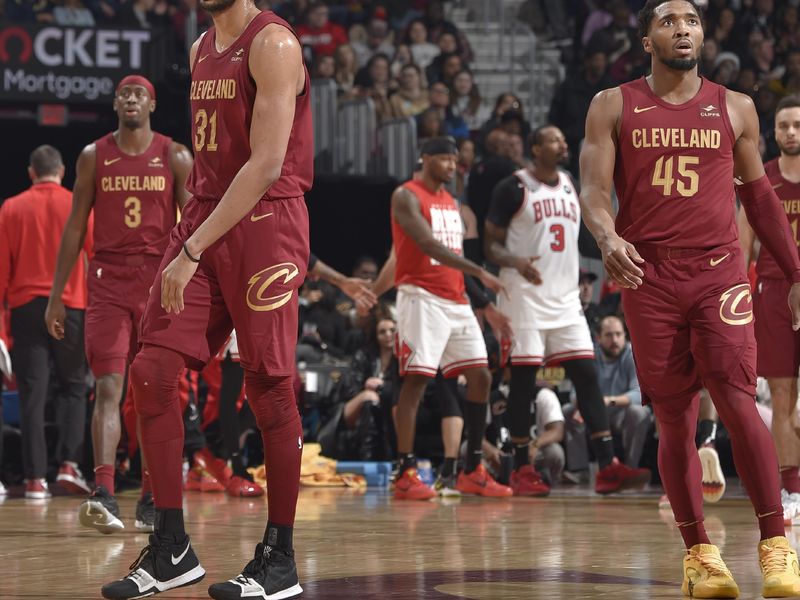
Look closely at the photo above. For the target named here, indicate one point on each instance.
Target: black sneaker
(145, 513)
(162, 565)
(100, 511)
(271, 575)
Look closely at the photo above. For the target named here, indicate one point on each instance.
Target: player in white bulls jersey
(531, 232)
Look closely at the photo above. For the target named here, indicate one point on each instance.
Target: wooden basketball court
(365, 546)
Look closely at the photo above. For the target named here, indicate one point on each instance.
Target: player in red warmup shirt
(778, 345)
(671, 143)
(133, 180)
(236, 259)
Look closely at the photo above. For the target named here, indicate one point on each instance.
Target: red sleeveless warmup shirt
(222, 96)
(674, 169)
(789, 194)
(134, 206)
(417, 268)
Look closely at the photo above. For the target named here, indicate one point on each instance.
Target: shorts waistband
(126, 260)
(654, 252)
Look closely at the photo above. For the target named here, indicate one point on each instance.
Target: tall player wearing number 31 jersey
(672, 143)
(236, 259)
(134, 181)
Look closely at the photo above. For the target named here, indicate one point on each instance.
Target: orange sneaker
(479, 482)
(239, 487)
(410, 487)
(617, 477)
(199, 481)
(526, 481)
(216, 467)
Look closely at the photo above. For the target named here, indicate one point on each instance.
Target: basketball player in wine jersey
(435, 323)
(778, 345)
(236, 259)
(133, 180)
(531, 232)
(671, 143)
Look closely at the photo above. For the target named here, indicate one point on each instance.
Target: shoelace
(140, 559)
(775, 558)
(256, 566)
(713, 564)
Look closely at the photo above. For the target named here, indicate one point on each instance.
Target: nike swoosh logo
(776, 186)
(638, 110)
(255, 218)
(107, 162)
(715, 261)
(202, 58)
(174, 560)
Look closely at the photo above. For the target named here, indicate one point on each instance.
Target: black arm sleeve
(476, 293)
(507, 197)
(312, 261)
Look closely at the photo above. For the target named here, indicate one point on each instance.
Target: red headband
(138, 80)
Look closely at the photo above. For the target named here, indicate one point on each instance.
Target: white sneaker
(713, 479)
(791, 508)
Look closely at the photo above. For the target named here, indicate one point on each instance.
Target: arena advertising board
(74, 65)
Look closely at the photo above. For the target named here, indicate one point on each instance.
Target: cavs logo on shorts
(736, 305)
(257, 293)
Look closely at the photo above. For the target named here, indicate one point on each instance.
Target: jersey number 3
(688, 180)
(133, 212)
(557, 245)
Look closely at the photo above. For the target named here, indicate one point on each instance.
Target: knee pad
(154, 378)
(272, 399)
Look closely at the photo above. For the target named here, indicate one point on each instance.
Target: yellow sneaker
(705, 575)
(780, 568)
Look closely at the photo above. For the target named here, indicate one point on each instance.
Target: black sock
(475, 427)
(522, 456)
(706, 432)
(449, 467)
(237, 465)
(169, 522)
(406, 461)
(279, 537)
(603, 450)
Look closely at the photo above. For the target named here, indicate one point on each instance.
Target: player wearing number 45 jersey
(236, 259)
(133, 180)
(672, 144)
(532, 234)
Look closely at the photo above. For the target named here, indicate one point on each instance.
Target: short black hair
(46, 161)
(537, 135)
(645, 16)
(791, 101)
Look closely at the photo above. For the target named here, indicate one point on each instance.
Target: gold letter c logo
(256, 298)
(729, 305)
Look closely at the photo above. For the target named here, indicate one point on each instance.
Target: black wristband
(189, 255)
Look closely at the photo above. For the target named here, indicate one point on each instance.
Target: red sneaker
(410, 487)
(526, 481)
(216, 467)
(617, 477)
(198, 480)
(239, 487)
(479, 482)
(71, 479)
(36, 489)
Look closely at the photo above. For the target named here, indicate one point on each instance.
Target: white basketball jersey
(547, 225)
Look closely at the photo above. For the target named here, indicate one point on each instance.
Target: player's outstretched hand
(527, 270)
(620, 259)
(173, 281)
(794, 305)
(492, 282)
(358, 290)
(499, 322)
(54, 316)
